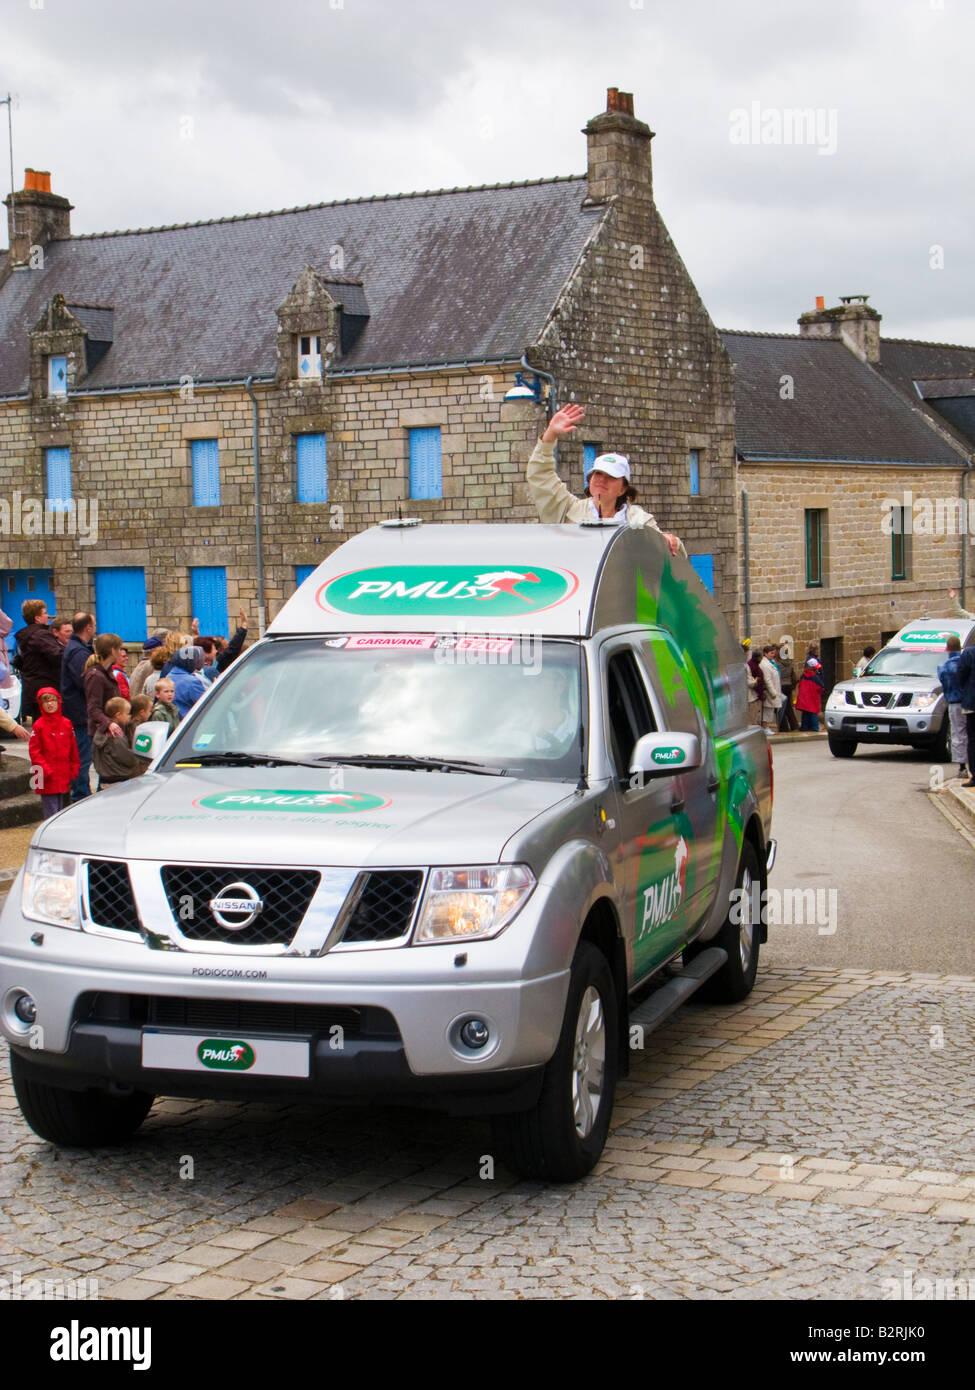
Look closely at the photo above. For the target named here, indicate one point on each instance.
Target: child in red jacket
(53, 753)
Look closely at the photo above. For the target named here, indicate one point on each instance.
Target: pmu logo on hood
(262, 799)
(219, 1054)
(481, 590)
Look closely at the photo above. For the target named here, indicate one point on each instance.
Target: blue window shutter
(120, 602)
(703, 567)
(312, 469)
(57, 376)
(208, 595)
(426, 470)
(58, 480)
(206, 473)
(694, 462)
(588, 459)
(302, 572)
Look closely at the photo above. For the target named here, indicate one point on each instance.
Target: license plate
(868, 728)
(201, 1052)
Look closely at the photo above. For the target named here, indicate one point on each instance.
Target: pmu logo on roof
(924, 639)
(480, 590)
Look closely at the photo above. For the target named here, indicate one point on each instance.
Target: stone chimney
(852, 322)
(35, 217)
(619, 152)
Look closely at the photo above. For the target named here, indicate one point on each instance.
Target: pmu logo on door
(479, 590)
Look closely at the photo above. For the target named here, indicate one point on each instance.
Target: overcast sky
(148, 113)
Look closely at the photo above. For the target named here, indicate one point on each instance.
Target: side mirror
(661, 755)
(150, 738)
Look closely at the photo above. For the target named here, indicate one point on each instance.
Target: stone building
(853, 463)
(191, 417)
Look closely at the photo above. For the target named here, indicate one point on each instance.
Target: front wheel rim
(588, 1062)
(746, 931)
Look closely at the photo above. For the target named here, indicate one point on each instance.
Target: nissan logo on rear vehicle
(240, 902)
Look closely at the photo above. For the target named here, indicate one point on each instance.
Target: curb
(778, 739)
(962, 802)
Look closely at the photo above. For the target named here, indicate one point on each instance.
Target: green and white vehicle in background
(476, 805)
(898, 697)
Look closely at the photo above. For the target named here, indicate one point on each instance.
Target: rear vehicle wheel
(841, 747)
(740, 938)
(76, 1119)
(562, 1137)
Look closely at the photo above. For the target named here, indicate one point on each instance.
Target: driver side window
(630, 715)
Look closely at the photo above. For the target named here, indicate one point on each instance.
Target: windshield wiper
(236, 759)
(409, 760)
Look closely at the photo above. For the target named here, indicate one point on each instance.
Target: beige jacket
(555, 503)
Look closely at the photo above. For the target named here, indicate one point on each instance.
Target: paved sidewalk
(811, 1142)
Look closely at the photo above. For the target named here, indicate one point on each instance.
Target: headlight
(472, 903)
(925, 701)
(50, 889)
(836, 700)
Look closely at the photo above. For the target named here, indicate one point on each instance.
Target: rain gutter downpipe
(552, 393)
(964, 547)
(748, 592)
(261, 610)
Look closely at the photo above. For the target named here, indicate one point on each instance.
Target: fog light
(25, 1009)
(474, 1033)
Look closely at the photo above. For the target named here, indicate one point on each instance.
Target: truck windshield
(900, 661)
(507, 705)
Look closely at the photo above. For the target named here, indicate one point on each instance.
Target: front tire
(75, 1119)
(562, 1138)
(841, 747)
(740, 938)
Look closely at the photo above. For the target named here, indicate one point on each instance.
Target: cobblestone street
(811, 1142)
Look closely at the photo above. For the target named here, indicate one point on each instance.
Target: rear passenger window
(630, 715)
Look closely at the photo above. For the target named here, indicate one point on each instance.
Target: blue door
(18, 585)
(208, 590)
(120, 602)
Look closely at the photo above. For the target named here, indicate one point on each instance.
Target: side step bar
(664, 1001)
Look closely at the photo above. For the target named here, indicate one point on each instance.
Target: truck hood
(297, 815)
(887, 683)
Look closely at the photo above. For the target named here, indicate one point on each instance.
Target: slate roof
(457, 275)
(842, 410)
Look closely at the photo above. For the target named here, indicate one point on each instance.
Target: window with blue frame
(590, 453)
(426, 463)
(694, 470)
(120, 602)
(302, 572)
(206, 472)
(312, 471)
(58, 469)
(208, 595)
(57, 376)
(703, 567)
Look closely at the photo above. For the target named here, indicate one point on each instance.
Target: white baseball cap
(616, 465)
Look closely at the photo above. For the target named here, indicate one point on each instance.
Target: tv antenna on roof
(8, 102)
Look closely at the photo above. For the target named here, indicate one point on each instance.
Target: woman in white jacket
(609, 495)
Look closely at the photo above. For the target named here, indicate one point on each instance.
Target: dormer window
(57, 376)
(309, 356)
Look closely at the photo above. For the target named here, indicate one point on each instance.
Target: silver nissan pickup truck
(478, 803)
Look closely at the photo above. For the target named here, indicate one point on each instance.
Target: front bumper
(900, 726)
(422, 995)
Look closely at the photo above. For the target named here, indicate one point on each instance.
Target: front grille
(285, 894)
(851, 698)
(110, 899)
(384, 905)
(234, 1015)
(904, 698)
(875, 699)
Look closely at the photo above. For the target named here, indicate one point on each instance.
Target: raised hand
(563, 422)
